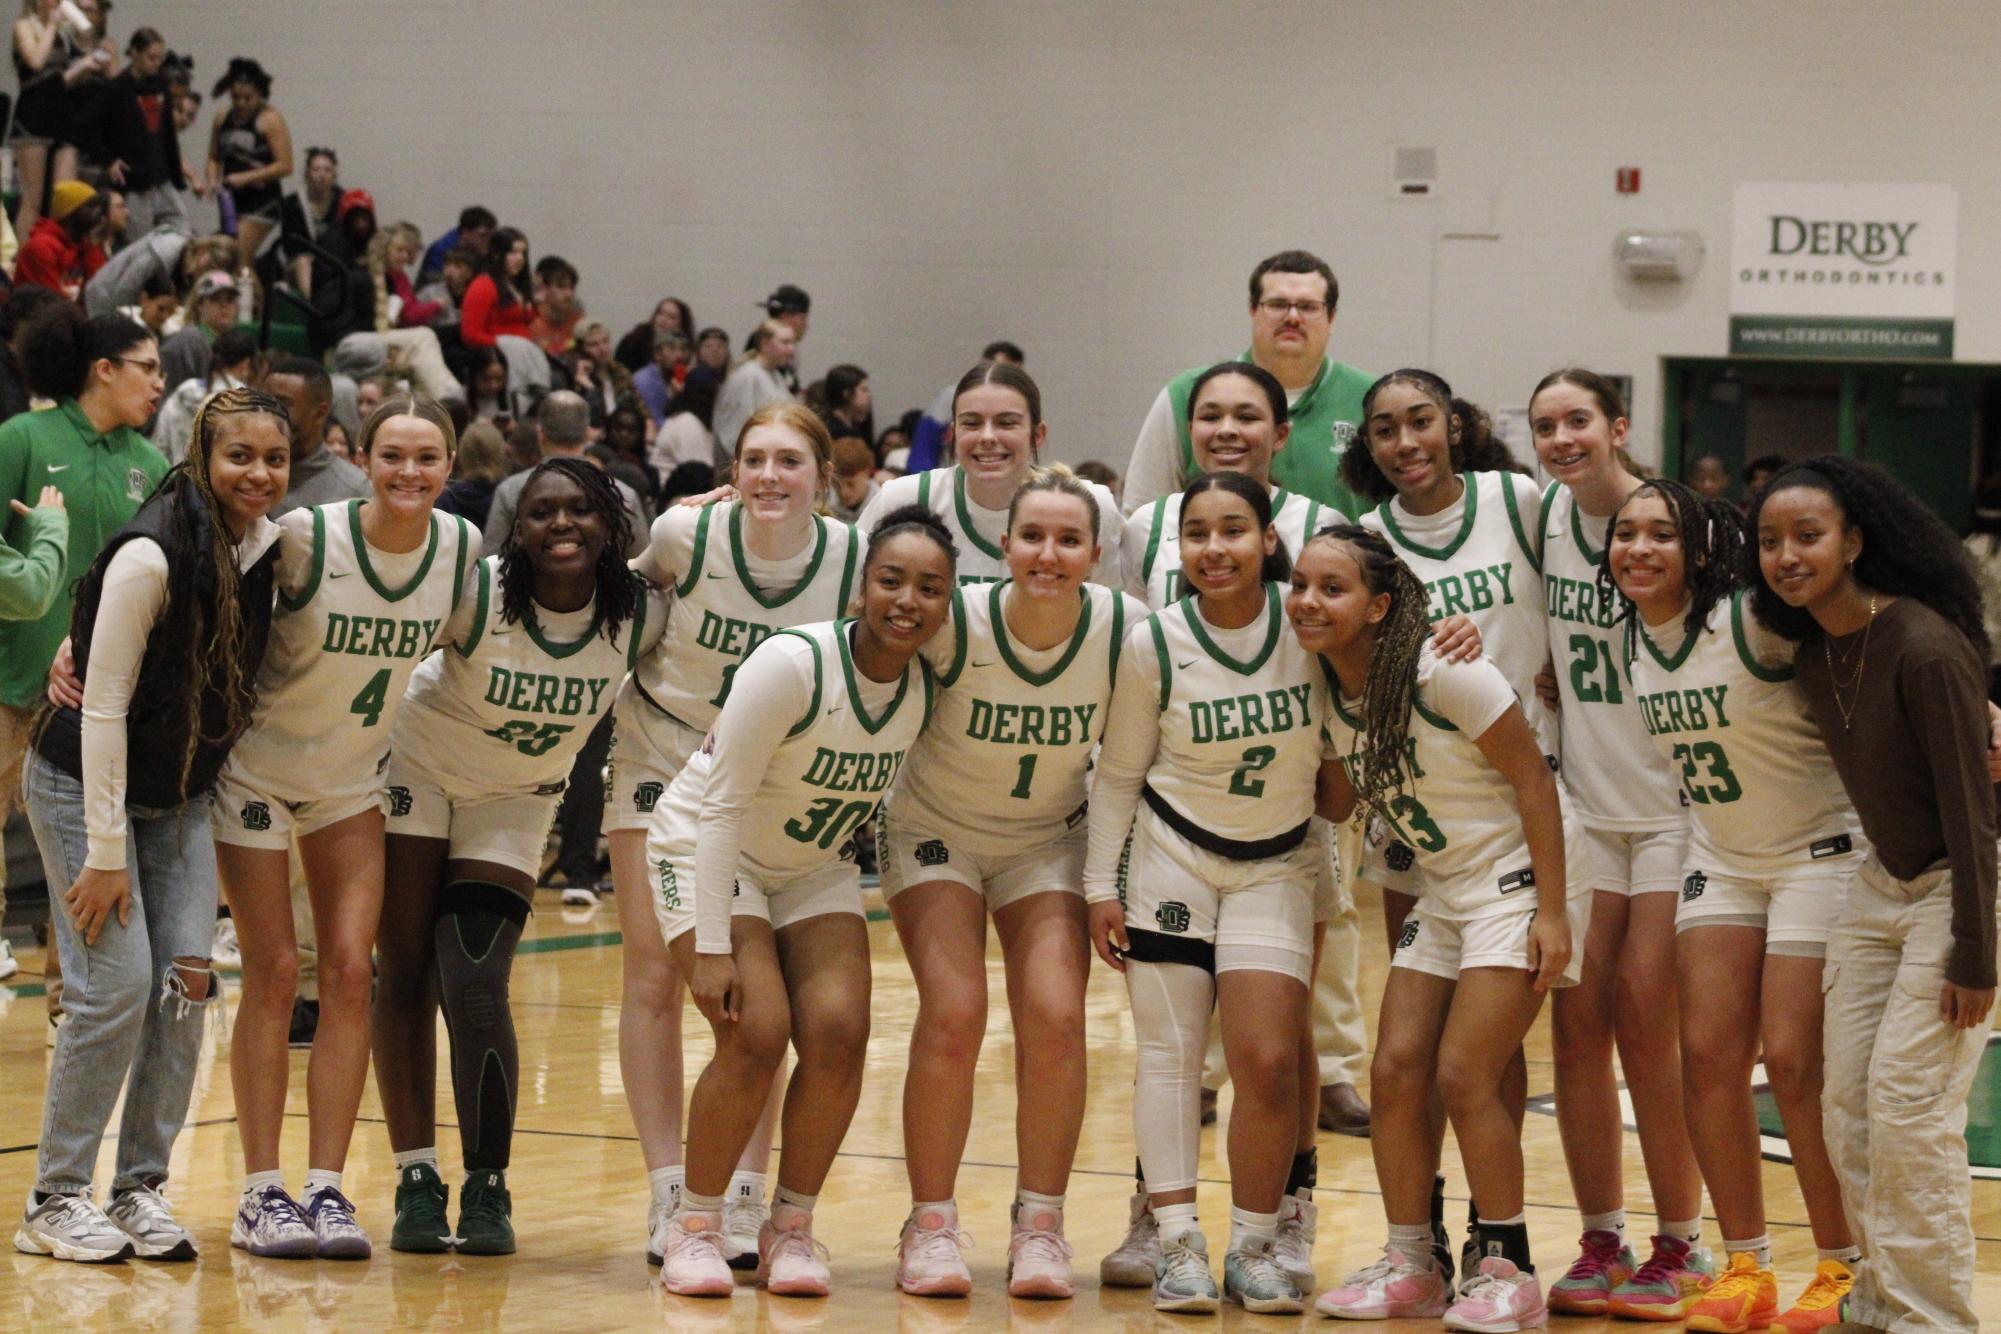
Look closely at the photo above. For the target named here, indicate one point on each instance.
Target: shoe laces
(1260, 1265)
(1385, 1266)
(330, 1203)
(1739, 1280)
(680, 1239)
(1599, 1255)
(1831, 1279)
(1038, 1246)
(483, 1201)
(798, 1243)
(275, 1204)
(1669, 1259)
(1182, 1261)
(75, 1209)
(147, 1207)
(942, 1244)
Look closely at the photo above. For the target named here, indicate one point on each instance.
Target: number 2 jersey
(351, 625)
(800, 756)
(504, 706)
(1615, 778)
(1455, 810)
(1721, 705)
(1004, 766)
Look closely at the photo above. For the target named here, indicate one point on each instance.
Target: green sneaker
(485, 1210)
(1253, 1279)
(421, 1225)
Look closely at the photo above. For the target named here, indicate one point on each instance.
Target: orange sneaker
(1820, 1304)
(1743, 1300)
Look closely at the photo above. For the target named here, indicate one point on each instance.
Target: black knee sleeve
(478, 926)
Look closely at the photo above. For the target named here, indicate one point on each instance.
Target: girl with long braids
(1444, 754)
(740, 571)
(1773, 846)
(988, 820)
(479, 755)
(1216, 728)
(1633, 837)
(168, 632)
(758, 895)
(1881, 600)
(364, 587)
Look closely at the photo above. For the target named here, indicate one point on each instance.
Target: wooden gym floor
(580, 1189)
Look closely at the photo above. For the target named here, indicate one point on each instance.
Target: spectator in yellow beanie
(59, 253)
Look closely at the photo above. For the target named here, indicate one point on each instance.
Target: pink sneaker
(1038, 1259)
(1390, 1289)
(691, 1257)
(930, 1256)
(1499, 1299)
(790, 1263)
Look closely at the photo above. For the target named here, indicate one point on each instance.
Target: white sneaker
(743, 1221)
(692, 1262)
(580, 896)
(223, 951)
(142, 1213)
(270, 1223)
(71, 1227)
(338, 1234)
(658, 1216)
(1137, 1260)
(1293, 1247)
(9, 965)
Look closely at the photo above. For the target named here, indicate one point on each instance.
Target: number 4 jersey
(507, 704)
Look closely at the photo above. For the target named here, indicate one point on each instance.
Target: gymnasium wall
(1095, 180)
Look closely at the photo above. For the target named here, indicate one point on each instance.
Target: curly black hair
(618, 589)
(1475, 447)
(1907, 550)
(1712, 539)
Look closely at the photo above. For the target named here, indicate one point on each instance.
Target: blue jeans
(127, 1007)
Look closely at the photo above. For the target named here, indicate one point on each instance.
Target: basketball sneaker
(658, 1216)
(1743, 1298)
(1297, 1222)
(1254, 1280)
(930, 1259)
(1497, 1299)
(743, 1224)
(1666, 1285)
(421, 1226)
(71, 1227)
(1820, 1304)
(790, 1262)
(1390, 1289)
(142, 1214)
(486, 1224)
(1136, 1262)
(691, 1257)
(270, 1223)
(1603, 1264)
(9, 965)
(223, 950)
(339, 1235)
(580, 895)
(1183, 1281)
(1038, 1258)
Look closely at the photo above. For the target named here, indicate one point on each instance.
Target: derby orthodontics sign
(1844, 271)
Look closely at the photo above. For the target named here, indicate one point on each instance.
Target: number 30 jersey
(1615, 778)
(1455, 810)
(505, 705)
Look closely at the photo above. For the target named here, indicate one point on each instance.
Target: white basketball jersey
(1242, 734)
(977, 531)
(1721, 706)
(1004, 764)
(1480, 560)
(507, 706)
(342, 653)
(1153, 541)
(1616, 778)
(1455, 811)
(718, 614)
(831, 771)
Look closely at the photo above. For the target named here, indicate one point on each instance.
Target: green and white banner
(1862, 271)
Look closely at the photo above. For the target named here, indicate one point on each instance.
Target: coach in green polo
(1293, 295)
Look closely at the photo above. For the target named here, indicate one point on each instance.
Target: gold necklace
(1861, 661)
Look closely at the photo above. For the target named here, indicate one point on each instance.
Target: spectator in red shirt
(59, 253)
(501, 300)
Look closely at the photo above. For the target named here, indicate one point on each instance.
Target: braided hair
(1907, 551)
(212, 637)
(617, 588)
(1475, 447)
(1391, 685)
(1711, 534)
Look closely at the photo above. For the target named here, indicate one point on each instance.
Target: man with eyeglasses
(1293, 295)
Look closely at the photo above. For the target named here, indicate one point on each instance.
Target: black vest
(158, 722)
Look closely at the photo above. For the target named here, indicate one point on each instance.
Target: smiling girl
(759, 898)
(480, 754)
(1773, 847)
(364, 587)
(1217, 729)
(740, 571)
(988, 819)
(169, 629)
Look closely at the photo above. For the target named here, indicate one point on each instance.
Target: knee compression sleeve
(1170, 1004)
(478, 926)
